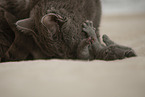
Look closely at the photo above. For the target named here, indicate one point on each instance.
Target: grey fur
(111, 51)
(46, 29)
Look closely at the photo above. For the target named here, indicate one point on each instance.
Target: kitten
(90, 48)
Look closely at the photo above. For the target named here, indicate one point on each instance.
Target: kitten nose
(130, 53)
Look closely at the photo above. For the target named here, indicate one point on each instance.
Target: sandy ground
(67, 78)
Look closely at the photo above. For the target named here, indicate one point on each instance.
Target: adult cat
(49, 28)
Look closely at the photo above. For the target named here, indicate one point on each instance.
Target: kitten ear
(51, 20)
(25, 25)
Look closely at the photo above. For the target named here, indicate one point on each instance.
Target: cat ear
(51, 20)
(25, 25)
(11, 19)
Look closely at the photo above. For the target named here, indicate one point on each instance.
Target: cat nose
(130, 53)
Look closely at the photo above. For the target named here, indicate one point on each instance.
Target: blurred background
(123, 6)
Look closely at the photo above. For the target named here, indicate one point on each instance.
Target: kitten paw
(90, 40)
(89, 28)
(107, 40)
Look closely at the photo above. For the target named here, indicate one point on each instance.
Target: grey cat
(46, 29)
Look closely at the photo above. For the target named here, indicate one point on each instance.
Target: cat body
(40, 20)
(46, 29)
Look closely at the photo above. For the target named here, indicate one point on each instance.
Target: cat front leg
(83, 51)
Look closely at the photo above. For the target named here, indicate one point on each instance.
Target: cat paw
(90, 40)
(89, 28)
(107, 40)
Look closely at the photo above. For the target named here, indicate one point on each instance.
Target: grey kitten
(90, 48)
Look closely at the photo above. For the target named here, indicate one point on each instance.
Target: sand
(67, 78)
